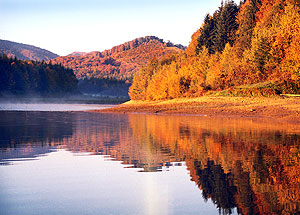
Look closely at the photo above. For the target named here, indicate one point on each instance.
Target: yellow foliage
(191, 49)
(289, 36)
(267, 48)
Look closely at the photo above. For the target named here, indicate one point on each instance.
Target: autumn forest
(250, 49)
(150, 126)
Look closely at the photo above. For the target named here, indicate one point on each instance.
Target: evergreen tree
(219, 29)
(226, 25)
(246, 22)
(20, 77)
(207, 34)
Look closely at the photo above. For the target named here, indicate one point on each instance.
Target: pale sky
(65, 26)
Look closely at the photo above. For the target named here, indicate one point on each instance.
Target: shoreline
(277, 108)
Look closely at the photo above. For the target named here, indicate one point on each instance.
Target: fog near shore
(35, 106)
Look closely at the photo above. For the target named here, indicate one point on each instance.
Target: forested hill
(121, 61)
(248, 49)
(33, 78)
(25, 52)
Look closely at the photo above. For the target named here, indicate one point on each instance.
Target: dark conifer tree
(226, 25)
(219, 29)
(20, 77)
(207, 35)
(246, 20)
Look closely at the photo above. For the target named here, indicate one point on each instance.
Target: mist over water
(50, 107)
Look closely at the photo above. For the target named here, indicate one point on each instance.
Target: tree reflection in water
(249, 164)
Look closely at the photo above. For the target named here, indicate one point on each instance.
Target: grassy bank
(277, 107)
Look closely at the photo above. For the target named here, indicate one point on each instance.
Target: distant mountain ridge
(137, 42)
(77, 54)
(119, 62)
(25, 52)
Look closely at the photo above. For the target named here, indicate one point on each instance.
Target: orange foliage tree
(257, 45)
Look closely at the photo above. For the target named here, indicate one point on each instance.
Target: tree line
(104, 87)
(251, 48)
(24, 77)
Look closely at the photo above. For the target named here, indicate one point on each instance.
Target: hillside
(25, 52)
(121, 61)
(32, 78)
(250, 49)
(77, 54)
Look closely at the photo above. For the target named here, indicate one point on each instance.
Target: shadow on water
(32, 134)
(252, 165)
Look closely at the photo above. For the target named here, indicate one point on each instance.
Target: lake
(62, 160)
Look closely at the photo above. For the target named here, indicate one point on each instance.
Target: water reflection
(249, 164)
(252, 165)
(25, 135)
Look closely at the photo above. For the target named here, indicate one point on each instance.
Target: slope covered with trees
(120, 62)
(19, 77)
(25, 52)
(104, 87)
(249, 49)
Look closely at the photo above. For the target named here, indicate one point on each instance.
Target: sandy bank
(281, 108)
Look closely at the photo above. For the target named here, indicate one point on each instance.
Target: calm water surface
(50, 107)
(58, 162)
